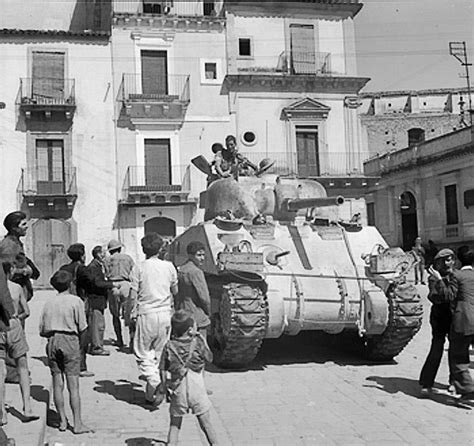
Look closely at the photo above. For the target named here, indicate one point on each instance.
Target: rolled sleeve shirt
(152, 280)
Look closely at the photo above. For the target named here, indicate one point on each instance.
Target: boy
(63, 322)
(13, 343)
(20, 304)
(183, 359)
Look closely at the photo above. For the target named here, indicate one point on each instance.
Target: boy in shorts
(13, 343)
(63, 322)
(181, 370)
(22, 310)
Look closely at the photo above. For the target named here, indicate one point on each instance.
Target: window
(150, 7)
(245, 47)
(249, 138)
(210, 70)
(451, 199)
(209, 8)
(415, 136)
(371, 214)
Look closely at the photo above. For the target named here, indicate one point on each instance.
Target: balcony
(335, 170)
(166, 102)
(203, 15)
(291, 71)
(47, 96)
(155, 186)
(48, 194)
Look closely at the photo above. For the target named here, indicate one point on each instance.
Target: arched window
(166, 227)
(415, 136)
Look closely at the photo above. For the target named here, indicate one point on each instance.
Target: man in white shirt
(153, 284)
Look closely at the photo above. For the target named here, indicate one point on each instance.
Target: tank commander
(229, 162)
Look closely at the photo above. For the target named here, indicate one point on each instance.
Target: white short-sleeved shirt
(153, 279)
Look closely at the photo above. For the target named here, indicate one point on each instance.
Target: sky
(404, 44)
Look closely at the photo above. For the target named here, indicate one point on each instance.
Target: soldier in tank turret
(229, 162)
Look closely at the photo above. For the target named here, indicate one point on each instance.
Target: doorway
(307, 151)
(154, 72)
(166, 227)
(50, 174)
(157, 162)
(47, 74)
(51, 238)
(409, 220)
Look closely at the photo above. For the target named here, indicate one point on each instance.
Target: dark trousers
(97, 328)
(84, 344)
(440, 320)
(115, 307)
(459, 348)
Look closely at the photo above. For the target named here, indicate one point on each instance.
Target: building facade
(292, 86)
(168, 62)
(394, 120)
(426, 190)
(108, 102)
(57, 138)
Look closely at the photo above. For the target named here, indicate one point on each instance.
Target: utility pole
(458, 50)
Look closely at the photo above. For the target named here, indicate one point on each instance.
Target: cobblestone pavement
(303, 390)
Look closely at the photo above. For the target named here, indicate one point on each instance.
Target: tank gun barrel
(293, 204)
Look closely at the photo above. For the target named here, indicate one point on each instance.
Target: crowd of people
(166, 310)
(167, 313)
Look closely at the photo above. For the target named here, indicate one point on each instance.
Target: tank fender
(376, 312)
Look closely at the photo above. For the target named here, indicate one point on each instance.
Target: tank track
(239, 327)
(404, 321)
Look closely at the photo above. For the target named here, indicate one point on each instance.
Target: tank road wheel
(239, 327)
(404, 321)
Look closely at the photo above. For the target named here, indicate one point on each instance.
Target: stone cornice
(270, 8)
(292, 83)
(176, 23)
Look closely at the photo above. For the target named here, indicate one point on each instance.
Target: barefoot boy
(63, 322)
(181, 367)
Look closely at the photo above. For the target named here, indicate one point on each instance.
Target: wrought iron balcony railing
(300, 62)
(37, 183)
(172, 88)
(46, 92)
(321, 164)
(172, 183)
(167, 7)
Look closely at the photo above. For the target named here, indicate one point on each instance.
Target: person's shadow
(411, 388)
(124, 390)
(142, 441)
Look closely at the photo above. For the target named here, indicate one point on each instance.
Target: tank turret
(281, 198)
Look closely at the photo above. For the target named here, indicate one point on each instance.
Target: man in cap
(12, 251)
(119, 267)
(462, 326)
(441, 273)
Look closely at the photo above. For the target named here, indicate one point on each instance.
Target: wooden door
(154, 72)
(303, 53)
(51, 238)
(50, 173)
(307, 153)
(157, 162)
(48, 77)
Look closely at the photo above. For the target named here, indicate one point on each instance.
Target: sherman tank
(280, 261)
